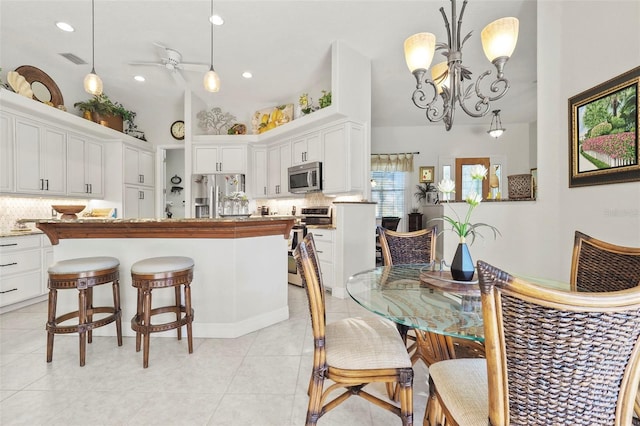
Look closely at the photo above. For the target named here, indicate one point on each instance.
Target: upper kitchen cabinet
(85, 166)
(7, 182)
(278, 162)
(306, 148)
(343, 163)
(138, 166)
(211, 159)
(40, 158)
(259, 171)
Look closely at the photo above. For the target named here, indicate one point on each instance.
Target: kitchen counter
(240, 274)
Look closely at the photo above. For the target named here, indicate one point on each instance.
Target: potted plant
(103, 110)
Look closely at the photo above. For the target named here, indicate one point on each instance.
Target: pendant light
(496, 130)
(92, 82)
(211, 78)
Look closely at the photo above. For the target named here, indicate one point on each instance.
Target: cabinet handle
(319, 251)
(7, 291)
(47, 180)
(318, 235)
(90, 188)
(8, 245)
(265, 190)
(9, 264)
(86, 188)
(41, 184)
(141, 195)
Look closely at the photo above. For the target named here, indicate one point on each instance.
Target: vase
(462, 268)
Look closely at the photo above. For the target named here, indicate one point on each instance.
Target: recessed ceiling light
(65, 27)
(139, 78)
(247, 74)
(216, 20)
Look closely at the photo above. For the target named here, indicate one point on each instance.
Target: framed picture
(426, 174)
(603, 132)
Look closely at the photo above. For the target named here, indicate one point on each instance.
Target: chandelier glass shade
(447, 82)
(211, 78)
(92, 82)
(496, 130)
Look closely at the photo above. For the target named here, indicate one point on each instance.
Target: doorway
(173, 182)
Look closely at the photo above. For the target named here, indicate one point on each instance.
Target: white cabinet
(138, 202)
(209, 159)
(21, 265)
(259, 171)
(7, 182)
(343, 162)
(85, 167)
(138, 166)
(40, 158)
(306, 148)
(325, 248)
(278, 161)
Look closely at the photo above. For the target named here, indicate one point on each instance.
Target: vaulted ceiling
(285, 44)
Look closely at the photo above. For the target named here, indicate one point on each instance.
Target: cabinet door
(233, 159)
(131, 160)
(76, 181)
(146, 204)
(94, 168)
(205, 160)
(145, 168)
(27, 157)
(306, 149)
(131, 197)
(285, 163)
(259, 173)
(54, 160)
(7, 183)
(334, 173)
(273, 171)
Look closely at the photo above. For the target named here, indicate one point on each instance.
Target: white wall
(577, 49)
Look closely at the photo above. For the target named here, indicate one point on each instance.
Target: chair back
(390, 222)
(401, 248)
(555, 355)
(594, 259)
(309, 267)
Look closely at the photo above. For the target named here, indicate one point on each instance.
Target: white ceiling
(285, 44)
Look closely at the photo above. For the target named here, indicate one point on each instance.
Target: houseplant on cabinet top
(102, 110)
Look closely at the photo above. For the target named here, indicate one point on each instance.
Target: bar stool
(162, 272)
(83, 274)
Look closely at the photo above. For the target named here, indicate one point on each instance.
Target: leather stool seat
(162, 272)
(83, 274)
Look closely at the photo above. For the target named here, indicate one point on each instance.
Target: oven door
(293, 275)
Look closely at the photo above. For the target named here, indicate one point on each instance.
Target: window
(388, 193)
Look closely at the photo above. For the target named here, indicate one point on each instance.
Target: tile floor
(257, 379)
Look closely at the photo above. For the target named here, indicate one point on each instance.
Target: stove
(320, 216)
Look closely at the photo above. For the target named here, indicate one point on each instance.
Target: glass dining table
(446, 314)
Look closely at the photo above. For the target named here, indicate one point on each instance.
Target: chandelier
(448, 78)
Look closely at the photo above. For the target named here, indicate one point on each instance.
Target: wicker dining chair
(553, 357)
(400, 248)
(592, 259)
(351, 352)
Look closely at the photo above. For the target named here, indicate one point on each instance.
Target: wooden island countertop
(166, 228)
(240, 274)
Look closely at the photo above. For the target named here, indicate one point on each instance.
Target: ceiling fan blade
(193, 66)
(179, 78)
(156, 64)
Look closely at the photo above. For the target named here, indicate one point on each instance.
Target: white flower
(478, 172)
(446, 186)
(473, 198)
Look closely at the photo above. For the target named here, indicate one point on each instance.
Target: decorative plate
(44, 89)
(19, 84)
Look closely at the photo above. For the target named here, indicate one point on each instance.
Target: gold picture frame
(427, 174)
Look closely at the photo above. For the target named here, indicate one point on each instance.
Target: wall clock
(177, 129)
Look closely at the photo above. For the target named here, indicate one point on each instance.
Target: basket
(520, 186)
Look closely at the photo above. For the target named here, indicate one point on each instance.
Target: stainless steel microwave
(305, 178)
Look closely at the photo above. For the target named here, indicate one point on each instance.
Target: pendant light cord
(93, 38)
(211, 23)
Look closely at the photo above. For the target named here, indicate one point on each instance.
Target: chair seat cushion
(463, 389)
(156, 265)
(83, 264)
(365, 343)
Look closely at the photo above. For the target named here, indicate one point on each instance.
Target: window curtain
(392, 162)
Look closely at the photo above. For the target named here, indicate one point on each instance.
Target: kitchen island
(240, 274)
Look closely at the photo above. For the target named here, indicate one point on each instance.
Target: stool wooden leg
(116, 306)
(82, 321)
(178, 311)
(89, 313)
(51, 322)
(139, 317)
(187, 301)
(147, 321)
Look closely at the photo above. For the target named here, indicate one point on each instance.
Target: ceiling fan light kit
(499, 40)
(93, 82)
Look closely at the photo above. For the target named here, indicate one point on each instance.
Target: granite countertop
(243, 218)
(4, 234)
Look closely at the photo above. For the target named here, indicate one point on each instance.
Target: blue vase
(462, 268)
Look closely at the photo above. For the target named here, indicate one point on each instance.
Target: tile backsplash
(14, 208)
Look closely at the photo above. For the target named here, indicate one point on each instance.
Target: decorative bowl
(68, 212)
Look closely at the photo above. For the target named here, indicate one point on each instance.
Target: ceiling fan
(171, 59)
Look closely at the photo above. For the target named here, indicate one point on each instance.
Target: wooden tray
(443, 280)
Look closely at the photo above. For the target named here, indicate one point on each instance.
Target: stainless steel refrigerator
(210, 192)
